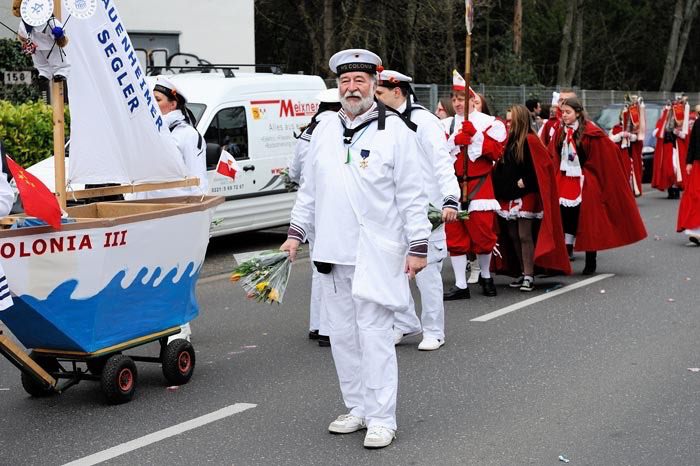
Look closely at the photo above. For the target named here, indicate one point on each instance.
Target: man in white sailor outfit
(394, 89)
(7, 199)
(371, 234)
(328, 108)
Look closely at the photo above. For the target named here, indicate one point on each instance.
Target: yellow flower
(261, 286)
(235, 277)
(274, 295)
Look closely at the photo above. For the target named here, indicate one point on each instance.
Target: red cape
(663, 176)
(609, 216)
(550, 250)
(689, 207)
(635, 153)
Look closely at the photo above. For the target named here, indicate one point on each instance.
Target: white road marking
(161, 435)
(540, 298)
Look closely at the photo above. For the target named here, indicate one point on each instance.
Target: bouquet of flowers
(265, 276)
(435, 216)
(289, 185)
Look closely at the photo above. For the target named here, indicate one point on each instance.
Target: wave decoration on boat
(117, 313)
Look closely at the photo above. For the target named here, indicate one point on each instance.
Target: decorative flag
(469, 15)
(227, 165)
(37, 200)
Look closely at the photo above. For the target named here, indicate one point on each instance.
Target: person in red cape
(628, 134)
(597, 207)
(689, 208)
(671, 133)
(550, 126)
(525, 183)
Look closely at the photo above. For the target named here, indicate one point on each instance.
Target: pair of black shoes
(488, 288)
(323, 340)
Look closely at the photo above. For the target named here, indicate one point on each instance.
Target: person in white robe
(369, 217)
(328, 108)
(437, 168)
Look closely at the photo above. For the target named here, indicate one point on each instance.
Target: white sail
(117, 131)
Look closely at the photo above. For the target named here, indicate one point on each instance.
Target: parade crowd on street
(517, 196)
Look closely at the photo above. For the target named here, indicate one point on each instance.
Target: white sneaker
(379, 437)
(347, 424)
(475, 272)
(399, 336)
(430, 344)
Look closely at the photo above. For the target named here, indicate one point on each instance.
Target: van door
(229, 129)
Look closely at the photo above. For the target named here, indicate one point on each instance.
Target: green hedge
(27, 131)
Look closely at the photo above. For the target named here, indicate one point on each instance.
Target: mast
(59, 132)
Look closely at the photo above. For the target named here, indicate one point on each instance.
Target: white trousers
(429, 281)
(363, 350)
(316, 298)
(56, 63)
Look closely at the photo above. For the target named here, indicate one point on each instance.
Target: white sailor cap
(392, 79)
(349, 60)
(329, 96)
(167, 87)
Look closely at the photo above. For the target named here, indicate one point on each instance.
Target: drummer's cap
(460, 85)
(392, 79)
(329, 96)
(167, 87)
(350, 60)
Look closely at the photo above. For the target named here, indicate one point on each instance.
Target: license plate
(18, 77)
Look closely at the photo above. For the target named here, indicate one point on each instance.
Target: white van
(254, 116)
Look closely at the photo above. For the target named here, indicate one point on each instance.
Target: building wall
(219, 31)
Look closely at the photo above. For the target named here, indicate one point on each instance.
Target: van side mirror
(213, 155)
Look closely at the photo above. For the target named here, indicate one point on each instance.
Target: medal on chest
(364, 153)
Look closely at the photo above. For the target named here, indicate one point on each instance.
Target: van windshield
(197, 110)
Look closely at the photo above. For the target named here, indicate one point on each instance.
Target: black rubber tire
(97, 365)
(32, 386)
(118, 379)
(178, 361)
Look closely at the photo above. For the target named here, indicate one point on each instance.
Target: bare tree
(411, 18)
(683, 17)
(571, 43)
(328, 32)
(518, 29)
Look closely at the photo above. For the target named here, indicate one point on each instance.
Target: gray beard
(359, 108)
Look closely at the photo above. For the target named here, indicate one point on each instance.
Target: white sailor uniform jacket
(380, 169)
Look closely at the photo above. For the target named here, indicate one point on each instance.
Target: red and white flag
(227, 165)
(37, 200)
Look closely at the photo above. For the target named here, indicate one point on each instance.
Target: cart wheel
(34, 387)
(97, 365)
(178, 362)
(119, 379)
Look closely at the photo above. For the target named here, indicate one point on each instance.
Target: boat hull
(124, 270)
